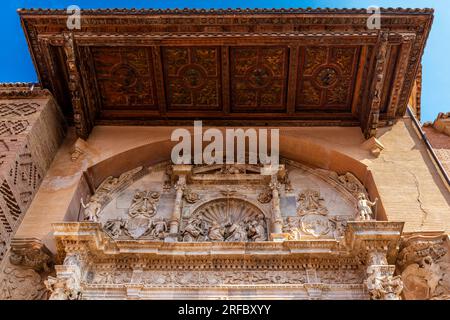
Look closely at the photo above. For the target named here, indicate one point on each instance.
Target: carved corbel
(374, 146)
(424, 266)
(31, 253)
(22, 275)
(374, 105)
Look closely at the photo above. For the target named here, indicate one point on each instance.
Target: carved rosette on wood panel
(124, 77)
(326, 77)
(193, 77)
(258, 78)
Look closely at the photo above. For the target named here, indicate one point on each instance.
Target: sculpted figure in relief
(216, 232)
(193, 230)
(364, 207)
(257, 230)
(91, 209)
(310, 202)
(115, 227)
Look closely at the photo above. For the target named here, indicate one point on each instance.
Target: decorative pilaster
(381, 282)
(377, 242)
(181, 171)
(276, 211)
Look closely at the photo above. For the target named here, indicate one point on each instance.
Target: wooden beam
(370, 124)
(83, 125)
(400, 72)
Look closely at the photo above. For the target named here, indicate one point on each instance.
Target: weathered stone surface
(31, 130)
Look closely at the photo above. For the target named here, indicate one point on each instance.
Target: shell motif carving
(232, 220)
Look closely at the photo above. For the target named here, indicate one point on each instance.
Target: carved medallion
(326, 77)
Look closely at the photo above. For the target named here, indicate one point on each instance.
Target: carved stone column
(67, 283)
(276, 211)
(381, 282)
(181, 171)
(377, 243)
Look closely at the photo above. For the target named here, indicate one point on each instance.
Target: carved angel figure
(91, 209)
(291, 227)
(114, 227)
(364, 207)
(159, 228)
(193, 230)
(257, 230)
(236, 232)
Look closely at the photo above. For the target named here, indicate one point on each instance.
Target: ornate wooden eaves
(248, 67)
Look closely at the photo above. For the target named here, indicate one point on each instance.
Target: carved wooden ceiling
(226, 67)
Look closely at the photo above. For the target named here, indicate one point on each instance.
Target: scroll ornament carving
(105, 191)
(229, 220)
(20, 283)
(425, 270)
(141, 222)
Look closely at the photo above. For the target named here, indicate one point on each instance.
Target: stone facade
(356, 209)
(31, 130)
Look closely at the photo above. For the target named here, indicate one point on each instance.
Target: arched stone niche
(139, 204)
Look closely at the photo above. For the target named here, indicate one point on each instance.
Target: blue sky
(16, 64)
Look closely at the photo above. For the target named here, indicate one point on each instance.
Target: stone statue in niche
(216, 232)
(364, 207)
(144, 204)
(257, 229)
(91, 209)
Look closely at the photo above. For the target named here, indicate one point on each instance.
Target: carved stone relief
(226, 219)
(424, 265)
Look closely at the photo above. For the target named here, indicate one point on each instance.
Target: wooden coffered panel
(326, 78)
(300, 67)
(125, 77)
(258, 78)
(192, 78)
